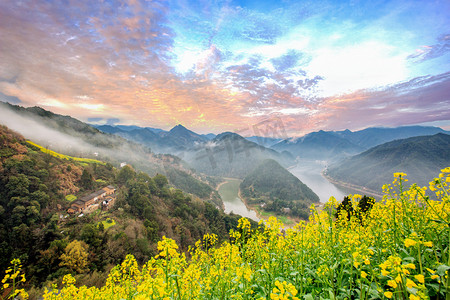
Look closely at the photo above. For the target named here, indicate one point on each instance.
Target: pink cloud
(98, 60)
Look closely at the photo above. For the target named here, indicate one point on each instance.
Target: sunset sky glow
(218, 66)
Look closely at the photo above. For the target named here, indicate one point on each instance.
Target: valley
(310, 172)
(229, 192)
(203, 186)
(232, 150)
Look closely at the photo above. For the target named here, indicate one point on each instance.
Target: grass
(265, 214)
(71, 198)
(107, 223)
(67, 157)
(285, 220)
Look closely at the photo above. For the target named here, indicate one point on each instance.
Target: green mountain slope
(70, 136)
(37, 188)
(275, 189)
(419, 157)
(231, 155)
(334, 145)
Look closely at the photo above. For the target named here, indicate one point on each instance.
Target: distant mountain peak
(181, 129)
(228, 135)
(179, 126)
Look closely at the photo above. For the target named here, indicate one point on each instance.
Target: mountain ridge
(335, 145)
(420, 157)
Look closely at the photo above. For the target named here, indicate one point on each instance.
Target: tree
(90, 234)
(75, 256)
(87, 181)
(18, 185)
(125, 174)
(160, 180)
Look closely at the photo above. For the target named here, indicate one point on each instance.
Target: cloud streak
(216, 66)
(418, 100)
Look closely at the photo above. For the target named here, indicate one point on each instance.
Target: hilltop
(275, 189)
(335, 145)
(231, 155)
(228, 154)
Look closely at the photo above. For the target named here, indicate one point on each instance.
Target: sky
(217, 66)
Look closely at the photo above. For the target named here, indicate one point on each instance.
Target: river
(229, 192)
(309, 172)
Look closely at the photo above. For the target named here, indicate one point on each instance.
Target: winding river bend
(309, 172)
(229, 192)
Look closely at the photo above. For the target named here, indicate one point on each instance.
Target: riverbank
(223, 182)
(288, 222)
(357, 188)
(229, 192)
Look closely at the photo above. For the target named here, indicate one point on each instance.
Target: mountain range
(228, 154)
(421, 158)
(174, 141)
(335, 145)
(319, 145)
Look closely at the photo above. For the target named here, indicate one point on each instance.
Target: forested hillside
(274, 189)
(73, 137)
(37, 188)
(392, 249)
(419, 157)
(231, 155)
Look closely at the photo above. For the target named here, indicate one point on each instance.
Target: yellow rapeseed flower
(428, 244)
(410, 283)
(392, 283)
(388, 295)
(399, 174)
(410, 242)
(420, 278)
(410, 266)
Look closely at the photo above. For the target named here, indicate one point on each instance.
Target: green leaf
(409, 258)
(442, 269)
(308, 297)
(438, 221)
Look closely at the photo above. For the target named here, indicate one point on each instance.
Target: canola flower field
(399, 249)
(66, 157)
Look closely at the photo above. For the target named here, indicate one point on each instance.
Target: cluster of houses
(103, 199)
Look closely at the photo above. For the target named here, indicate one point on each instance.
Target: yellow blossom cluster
(396, 250)
(12, 280)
